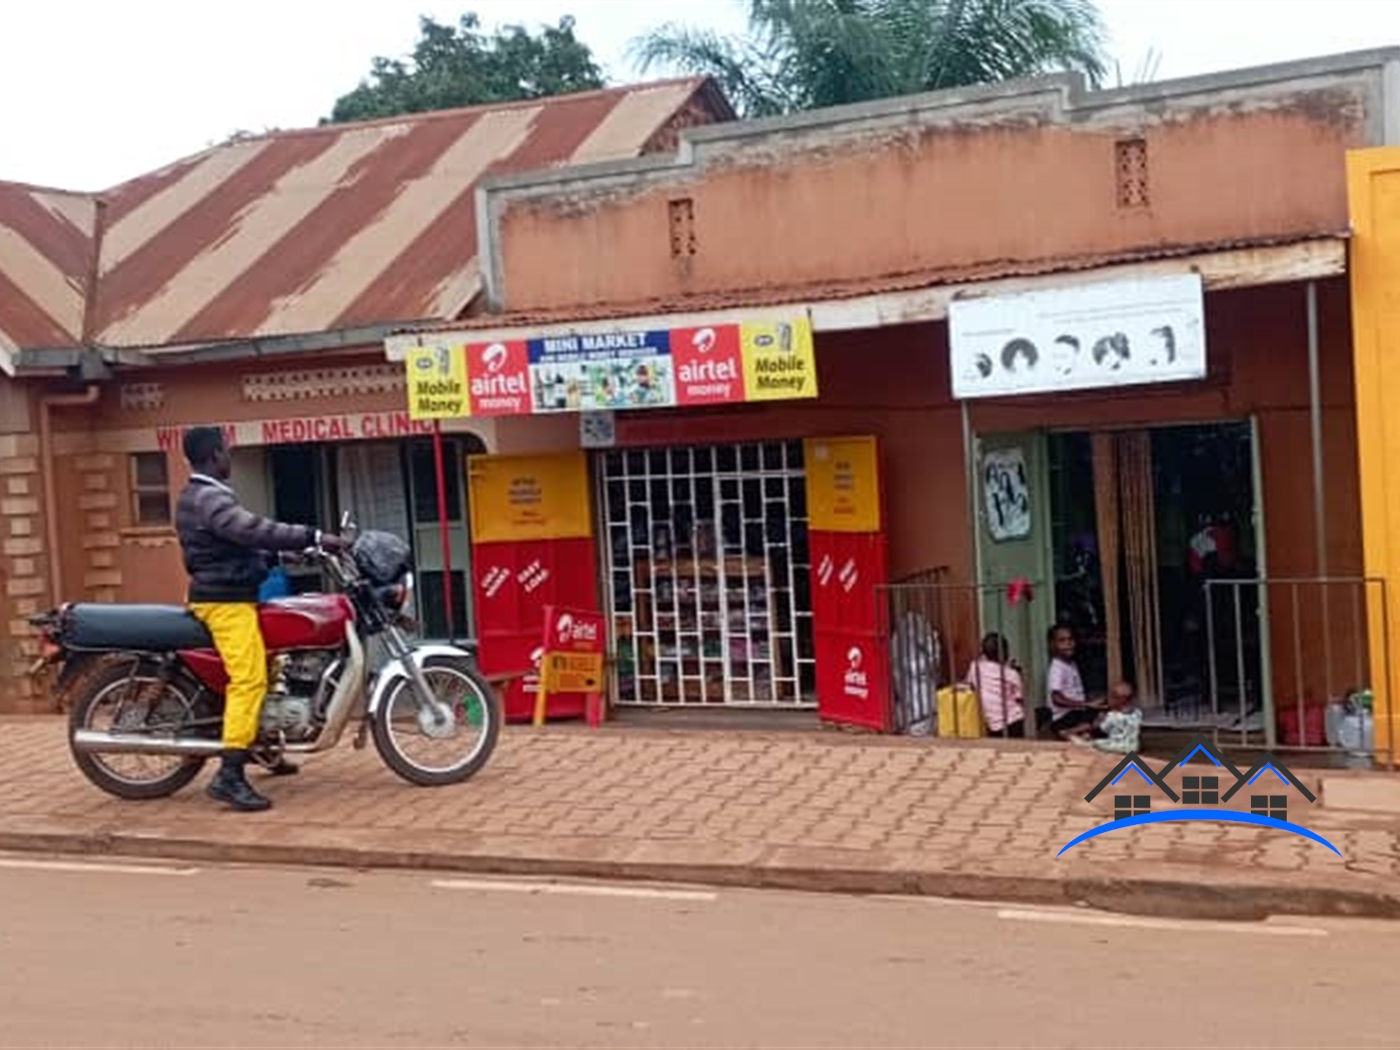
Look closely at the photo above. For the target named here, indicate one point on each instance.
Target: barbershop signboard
(1123, 333)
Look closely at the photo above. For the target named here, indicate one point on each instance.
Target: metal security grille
(708, 589)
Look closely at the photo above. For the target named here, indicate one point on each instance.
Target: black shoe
(283, 768)
(231, 785)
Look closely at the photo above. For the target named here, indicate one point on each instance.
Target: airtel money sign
(499, 378)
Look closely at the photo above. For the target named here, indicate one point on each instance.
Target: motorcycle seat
(140, 628)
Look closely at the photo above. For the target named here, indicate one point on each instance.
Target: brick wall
(99, 485)
(23, 571)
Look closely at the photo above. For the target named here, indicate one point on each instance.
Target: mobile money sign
(437, 382)
(573, 655)
(617, 370)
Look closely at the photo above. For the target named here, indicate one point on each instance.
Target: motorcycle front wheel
(427, 750)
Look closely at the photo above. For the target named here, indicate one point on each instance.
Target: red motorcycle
(147, 686)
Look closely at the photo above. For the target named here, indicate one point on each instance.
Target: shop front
(1144, 491)
(733, 560)
(1172, 473)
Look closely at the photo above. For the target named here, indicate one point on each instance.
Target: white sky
(93, 92)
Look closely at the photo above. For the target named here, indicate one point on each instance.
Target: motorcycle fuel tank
(308, 621)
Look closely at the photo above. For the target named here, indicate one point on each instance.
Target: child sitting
(1120, 727)
(1072, 715)
(999, 689)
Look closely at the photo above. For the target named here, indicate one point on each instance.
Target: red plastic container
(1314, 732)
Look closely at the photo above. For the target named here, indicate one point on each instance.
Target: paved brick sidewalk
(818, 810)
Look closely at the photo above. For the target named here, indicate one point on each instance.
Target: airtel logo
(537, 657)
(857, 682)
(704, 340)
(570, 631)
(494, 357)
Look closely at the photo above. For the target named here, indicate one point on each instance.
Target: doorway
(1140, 521)
(389, 486)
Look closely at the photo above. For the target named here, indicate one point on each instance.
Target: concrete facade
(940, 189)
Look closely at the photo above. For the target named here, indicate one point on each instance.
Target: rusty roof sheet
(304, 231)
(46, 239)
(835, 291)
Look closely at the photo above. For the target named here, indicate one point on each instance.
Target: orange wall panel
(932, 201)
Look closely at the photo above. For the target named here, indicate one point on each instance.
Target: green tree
(805, 54)
(462, 66)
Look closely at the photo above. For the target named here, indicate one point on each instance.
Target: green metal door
(1011, 492)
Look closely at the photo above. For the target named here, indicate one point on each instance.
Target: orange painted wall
(819, 211)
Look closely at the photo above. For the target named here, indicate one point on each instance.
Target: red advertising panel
(849, 572)
(573, 655)
(847, 567)
(853, 673)
(499, 381)
(515, 582)
(709, 365)
(853, 680)
(532, 547)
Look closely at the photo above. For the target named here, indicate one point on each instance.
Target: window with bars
(708, 582)
(1125, 806)
(1200, 791)
(1275, 806)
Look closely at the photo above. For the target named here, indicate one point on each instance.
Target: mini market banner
(617, 370)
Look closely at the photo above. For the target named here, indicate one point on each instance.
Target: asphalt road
(141, 955)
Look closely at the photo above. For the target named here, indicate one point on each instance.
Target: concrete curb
(1134, 895)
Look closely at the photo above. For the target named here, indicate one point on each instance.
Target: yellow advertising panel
(437, 382)
(572, 672)
(515, 498)
(843, 484)
(779, 363)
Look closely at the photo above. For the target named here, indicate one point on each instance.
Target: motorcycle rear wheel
(474, 706)
(109, 686)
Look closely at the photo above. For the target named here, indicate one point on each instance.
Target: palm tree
(805, 54)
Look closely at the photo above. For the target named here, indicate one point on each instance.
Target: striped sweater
(226, 546)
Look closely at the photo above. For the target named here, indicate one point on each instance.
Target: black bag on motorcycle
(382, 557)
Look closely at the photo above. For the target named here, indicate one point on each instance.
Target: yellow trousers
(238, 637)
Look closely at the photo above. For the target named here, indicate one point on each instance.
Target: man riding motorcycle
(226, 553)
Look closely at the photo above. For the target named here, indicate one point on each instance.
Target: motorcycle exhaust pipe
(94, 740)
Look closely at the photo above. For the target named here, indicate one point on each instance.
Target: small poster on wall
(1006, 492)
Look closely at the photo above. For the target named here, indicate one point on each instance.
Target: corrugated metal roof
(46, 241)
(303, 231)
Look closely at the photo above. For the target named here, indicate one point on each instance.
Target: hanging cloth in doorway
(371, 486)
(1139, 516)
(1106, 512)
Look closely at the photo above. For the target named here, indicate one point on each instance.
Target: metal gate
(1291, 666)
(707, 584)
(935, 632)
